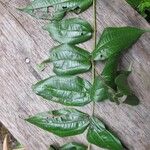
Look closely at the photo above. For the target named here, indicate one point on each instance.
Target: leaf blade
(122, 84)
(132, 100)
(134, 3)
(69, 146)
(61, 7)
(115, 40)
(99, 92)
(124, 91)
(63, 122)
(72, 31)
(109, 72)
(98, 135)
(70, 60)
(67, 90)
(73, 146)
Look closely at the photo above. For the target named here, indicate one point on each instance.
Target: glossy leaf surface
(115, 40)
(63, 122)
(70, 91)
(122, 84)
(69, 60)
(99, 91)
(109, 72)
(72, 31)
(100, 136)
(61, 7)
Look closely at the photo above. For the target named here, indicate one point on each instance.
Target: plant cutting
(69, 60)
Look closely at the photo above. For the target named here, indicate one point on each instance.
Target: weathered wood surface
(22, 39)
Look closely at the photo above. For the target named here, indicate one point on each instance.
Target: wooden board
(23, 44)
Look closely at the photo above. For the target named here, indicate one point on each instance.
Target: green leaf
(134, 3)
(63, 122)
(109, 72)
(72, 31)
(100, 136)
(70, 91)
(43, 65)
(132, 100)
(61, 7)
(115, 40)
(144, 8)
(125, 72)
(73, 146)
(69, 146)
(69, 60)
(124, 91)
(122, 84)
(99, 91)
(58, 15)
(38, 9)
(53, 147)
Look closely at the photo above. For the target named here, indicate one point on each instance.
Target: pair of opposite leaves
(69, 60)
(69, 122)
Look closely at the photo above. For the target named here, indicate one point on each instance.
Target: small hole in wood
(27, 60)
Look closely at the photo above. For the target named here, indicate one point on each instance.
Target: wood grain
(23, 44)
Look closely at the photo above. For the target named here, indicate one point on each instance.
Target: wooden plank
(23, 44)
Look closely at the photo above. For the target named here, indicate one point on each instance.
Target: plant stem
(95, 40)
(93, 78)
(93, 63)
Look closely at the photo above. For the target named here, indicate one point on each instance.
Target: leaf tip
(45, 27)
(43, 65)
(35, 88)
(132, 100)
(27, 119)
(20, 9)
(30, 119)
(40, 67)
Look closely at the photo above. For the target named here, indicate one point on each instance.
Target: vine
(92, 61)
(70, 60)
(95, 39)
